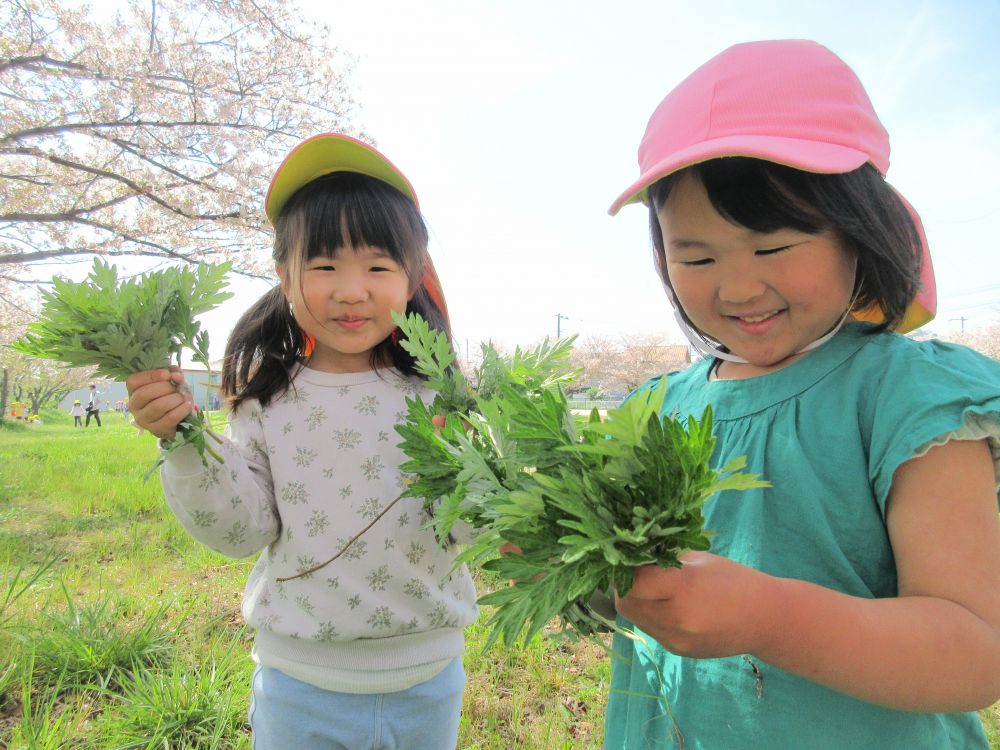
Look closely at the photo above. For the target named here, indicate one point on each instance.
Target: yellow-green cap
(325, 153)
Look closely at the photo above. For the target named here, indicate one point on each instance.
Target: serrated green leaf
(585, 503)
(126, 326)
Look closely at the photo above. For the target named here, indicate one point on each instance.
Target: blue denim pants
(287, 714)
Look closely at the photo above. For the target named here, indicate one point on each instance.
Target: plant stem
(343, 549)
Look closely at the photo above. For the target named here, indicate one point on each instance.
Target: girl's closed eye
(321, 263)
(697, 262)
(781, 243)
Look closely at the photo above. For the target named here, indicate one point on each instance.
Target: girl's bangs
(760, 196)
(358, 219)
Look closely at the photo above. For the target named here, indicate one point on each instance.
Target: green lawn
(123, 632)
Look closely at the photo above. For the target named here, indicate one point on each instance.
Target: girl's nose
(351, 288)
(739, 288)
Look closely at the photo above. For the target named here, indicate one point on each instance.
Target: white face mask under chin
(711, 348)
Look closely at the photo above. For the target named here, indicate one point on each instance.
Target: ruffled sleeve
(927, 394)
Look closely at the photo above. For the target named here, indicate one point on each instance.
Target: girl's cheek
(691, 292)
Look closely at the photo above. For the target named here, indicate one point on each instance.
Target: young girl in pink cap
(856, 602)
(366, 651)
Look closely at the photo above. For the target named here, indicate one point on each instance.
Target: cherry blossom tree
(151, 127)
(624, 362)
(984, 339)
(26, 379)
(14, 314)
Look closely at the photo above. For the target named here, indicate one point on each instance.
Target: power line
(962, 293)
(959, 308)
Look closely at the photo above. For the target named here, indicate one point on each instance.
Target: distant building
(204, 392)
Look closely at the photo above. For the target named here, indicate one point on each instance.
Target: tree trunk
(3, 395)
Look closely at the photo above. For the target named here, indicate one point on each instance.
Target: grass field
(123, 632)
(120, 631)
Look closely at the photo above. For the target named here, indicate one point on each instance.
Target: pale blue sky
(518, 122)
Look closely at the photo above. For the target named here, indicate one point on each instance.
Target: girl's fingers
(162, 416)
(137, 380)
(147, 387)
(166, 426)
(438, 420)
(158, 400)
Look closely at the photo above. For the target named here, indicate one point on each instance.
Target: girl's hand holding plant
(709, 607)
(159, 400)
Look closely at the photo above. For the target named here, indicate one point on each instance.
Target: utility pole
(559, 319)
(961, 319)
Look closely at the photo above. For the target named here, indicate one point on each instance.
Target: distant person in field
(856, 602)
(94, 406)
(365, 652)
(76, 411)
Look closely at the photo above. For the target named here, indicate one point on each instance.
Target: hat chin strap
(711, 348)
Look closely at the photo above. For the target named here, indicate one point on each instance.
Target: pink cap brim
(810, 156)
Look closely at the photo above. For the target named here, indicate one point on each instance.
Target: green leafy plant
(130, 325)
(586, 501)
(94, 642)
(182, 706)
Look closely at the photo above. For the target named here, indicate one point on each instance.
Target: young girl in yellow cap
(367, 650)
(76, 411)
(856, 602)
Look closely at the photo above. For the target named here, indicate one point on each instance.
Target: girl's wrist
(772, 600)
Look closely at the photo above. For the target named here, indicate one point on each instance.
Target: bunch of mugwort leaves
(126, 326)
(585, 499)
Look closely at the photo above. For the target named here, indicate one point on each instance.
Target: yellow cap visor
(322, 155)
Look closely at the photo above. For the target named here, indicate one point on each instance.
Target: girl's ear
(279, 269)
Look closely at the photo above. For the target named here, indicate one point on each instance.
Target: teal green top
(828, 431)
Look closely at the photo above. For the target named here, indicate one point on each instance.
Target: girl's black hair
(338, 210)
(862, 210)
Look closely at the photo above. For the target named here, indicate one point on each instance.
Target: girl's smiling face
(345, 302)
(765, 296)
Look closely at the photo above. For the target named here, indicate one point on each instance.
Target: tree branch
(139, 143)
(30, 61)
(138, 190)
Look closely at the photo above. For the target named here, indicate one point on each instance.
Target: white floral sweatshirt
(301, 477)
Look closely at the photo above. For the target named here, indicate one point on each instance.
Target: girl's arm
(228, 507)
(935, 647)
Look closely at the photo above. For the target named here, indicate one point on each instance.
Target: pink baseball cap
(792, 102)
(326, 153)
